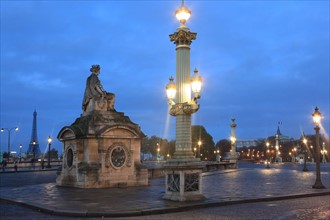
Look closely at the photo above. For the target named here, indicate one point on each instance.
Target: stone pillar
(183, 38)
(277, 148)
(233, 140)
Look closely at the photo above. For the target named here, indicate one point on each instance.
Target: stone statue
(95, 97)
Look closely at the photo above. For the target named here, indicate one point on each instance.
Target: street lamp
(317, 120)
(9, 131)
(183, 170)
(49, 143)
(294, 151)
(20, 152)
(181, 90)
(268, 153)
(305, 155)
(324, 152)
(182, 14)
(218, 157)
(199, 148)
(158, 150)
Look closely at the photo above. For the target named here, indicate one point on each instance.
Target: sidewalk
(224, 187)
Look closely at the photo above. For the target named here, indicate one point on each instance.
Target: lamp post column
(305, 155)
(317, 119)
(183, 38)
(233, 139)
(20, 152)
(49, 143)
(9, 131)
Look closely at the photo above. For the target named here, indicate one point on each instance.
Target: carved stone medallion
(118, 157)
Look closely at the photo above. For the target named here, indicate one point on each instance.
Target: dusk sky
(261, 61)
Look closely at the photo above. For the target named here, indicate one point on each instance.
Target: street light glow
(171, 90)
(317, 116)
(196, 83)
(182, 14)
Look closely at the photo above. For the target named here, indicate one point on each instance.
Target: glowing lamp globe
(317, 116)
(196, 82)
(171, 89)
(182, 14)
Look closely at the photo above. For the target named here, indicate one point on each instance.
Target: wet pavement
(249, 183)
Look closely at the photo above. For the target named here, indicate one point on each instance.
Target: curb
(182, 208)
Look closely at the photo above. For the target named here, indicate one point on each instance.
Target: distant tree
(5, 155)
(224, 146)
(207, 148)
(150, 145)
(53, 154)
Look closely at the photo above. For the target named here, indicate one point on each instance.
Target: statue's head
(95, 68)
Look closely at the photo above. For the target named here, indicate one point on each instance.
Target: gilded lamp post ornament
(189, 107)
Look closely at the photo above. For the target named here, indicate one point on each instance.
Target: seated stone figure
(95, 97)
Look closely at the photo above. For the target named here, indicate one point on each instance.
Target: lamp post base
(305, 169)
(48, 166)
(183, 181)
(318, 185)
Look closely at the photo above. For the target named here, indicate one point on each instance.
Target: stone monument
(101, 149)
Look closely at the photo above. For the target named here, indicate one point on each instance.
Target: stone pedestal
(183, 181)
(101, 149)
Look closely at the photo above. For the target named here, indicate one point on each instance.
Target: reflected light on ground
(167, 123)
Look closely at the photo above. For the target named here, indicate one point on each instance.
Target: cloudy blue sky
(261, 62)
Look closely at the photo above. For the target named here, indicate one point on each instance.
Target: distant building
(246, 143)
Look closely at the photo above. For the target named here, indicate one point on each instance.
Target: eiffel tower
(34, 144)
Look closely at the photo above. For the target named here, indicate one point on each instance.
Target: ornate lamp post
(277, 147)
(233, 156)
(199, 148)
(317, 120)
(305, 155)
(268, 153)
(49, 143)
(158, 150)
(294, 151)
(20, 152)
(183, 178)
(9, 131)
(324, 152)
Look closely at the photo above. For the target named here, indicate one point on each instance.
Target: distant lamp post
(268, 153)
(49, 143)
(158, 150)
(233, 155)
(218, 158)
(9, 131)
(305, 155)
(199, 148)
(20, 152)
(324, 152)
(317, 120)
(294, 151)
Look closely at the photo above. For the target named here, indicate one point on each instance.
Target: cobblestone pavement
(246, 184)
(310, 208)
